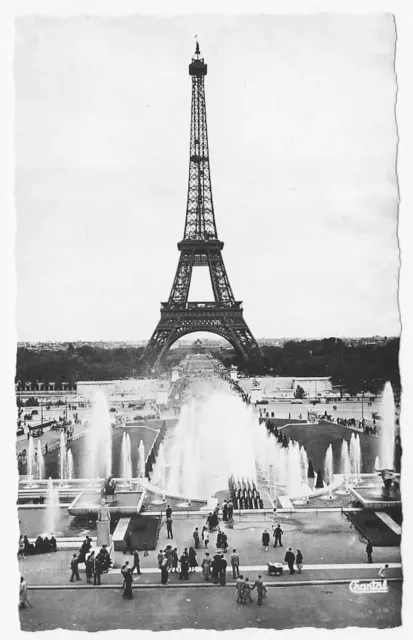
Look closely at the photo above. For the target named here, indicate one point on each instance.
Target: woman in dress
(192, 559)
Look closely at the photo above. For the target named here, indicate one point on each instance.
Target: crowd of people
(41, 545)
(95, 564)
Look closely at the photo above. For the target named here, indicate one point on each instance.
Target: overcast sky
(302, 140)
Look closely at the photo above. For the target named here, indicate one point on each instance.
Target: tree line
(354, 368)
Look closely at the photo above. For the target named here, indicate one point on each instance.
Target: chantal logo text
(372, 586)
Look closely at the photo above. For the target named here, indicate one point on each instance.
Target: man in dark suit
(74, 565)
(290, 559)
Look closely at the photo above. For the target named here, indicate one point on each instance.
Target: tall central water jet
(99, 439)
(62, 456)
(387, 428)
(30, 460)
(328, 468)
(52, 507)
(141, 460)
(355, 457)
(69, 465)
(40, 461)
(126, 458)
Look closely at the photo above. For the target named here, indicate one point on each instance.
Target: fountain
(52, 507)
(126, 460)
(40, 461)
(328, 471)
(141, 460)
(344, 466)
(69, 465)
(31, 463)
(204, 447)
(355, 458)
(98, 457)
(158, 477)
(387, 428)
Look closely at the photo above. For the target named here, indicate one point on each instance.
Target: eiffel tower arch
(200, 247)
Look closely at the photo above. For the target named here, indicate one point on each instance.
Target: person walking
(74, 565)
(369, 551)
(127, 584)
(278, 535)
(97, 571)
(192, 559)
(22, 593)
(299, 560)
(222, 570)
(206, 566)
(124, 568)
(136, 562)
(195, 536)
(164, 570)
(266, 539)
(235, 564)
(230, 510)
(290, 559)
(169, 528)
(261, 589)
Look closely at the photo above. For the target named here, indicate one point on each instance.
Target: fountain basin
(125, 503)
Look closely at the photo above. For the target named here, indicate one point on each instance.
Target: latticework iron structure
(200, 247)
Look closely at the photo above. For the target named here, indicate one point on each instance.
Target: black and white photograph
(208, 417)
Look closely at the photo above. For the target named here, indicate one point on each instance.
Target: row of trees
(354, 368)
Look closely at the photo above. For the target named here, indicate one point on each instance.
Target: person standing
(169, 528)
(160, 557)
(206, 566)
(224, 542)
(164, 570)
(247, 591)
(184, 566)
(74, 565)
(222, 570)
(290, 559)
(261, 589)
(278, 535)
(225, 511)
(299, 560)
(216, 568)
(174, 560)
(127, 584)
(98, 570)
(136, 562)
(128, 542)
(22, 593)
(230, 510)
(369, 551)
(192, 559)
(240, 589)
(145, 548)
(195, 536)
(235, 564)
(266, 539)
(168, 512)
(89, 562)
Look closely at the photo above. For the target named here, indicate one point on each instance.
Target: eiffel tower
(200, 247)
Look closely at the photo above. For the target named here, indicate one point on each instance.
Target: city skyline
(305, 193)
